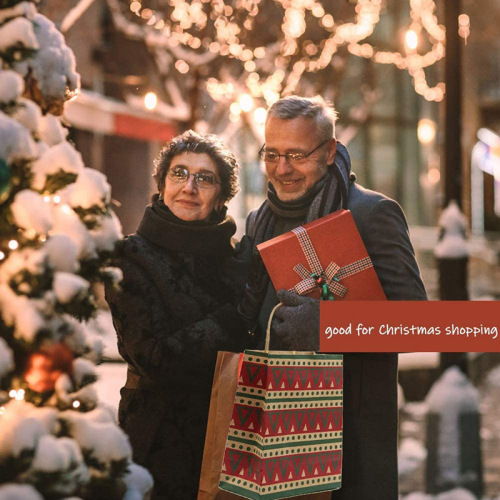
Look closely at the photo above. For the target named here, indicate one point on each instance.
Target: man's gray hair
(320, 111)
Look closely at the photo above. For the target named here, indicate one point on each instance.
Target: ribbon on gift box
(328, 279)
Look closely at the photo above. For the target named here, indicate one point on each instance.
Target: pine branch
(57, 181)
(92, 216)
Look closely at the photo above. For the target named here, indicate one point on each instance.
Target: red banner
(410, 326)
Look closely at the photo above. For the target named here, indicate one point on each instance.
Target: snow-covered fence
(453, 440)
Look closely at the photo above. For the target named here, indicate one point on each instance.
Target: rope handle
(268, 331)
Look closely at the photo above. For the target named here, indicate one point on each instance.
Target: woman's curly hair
(190, 141)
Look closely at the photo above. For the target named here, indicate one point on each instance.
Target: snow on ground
(111, 379)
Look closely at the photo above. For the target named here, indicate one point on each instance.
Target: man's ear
(331, 149)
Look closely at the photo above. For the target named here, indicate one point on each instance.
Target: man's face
(298, 135)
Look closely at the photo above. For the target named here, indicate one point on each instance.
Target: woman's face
(186, 199)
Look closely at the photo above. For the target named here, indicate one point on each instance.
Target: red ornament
(46, 365)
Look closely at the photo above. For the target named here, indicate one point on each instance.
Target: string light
(246, 102)
(12, 393)
(411, 39)
(20, 395)
(56, 199)
(150, 101)
(162, 31)
(2, 255)
(2, 410)
(13, 245)
(76, 404)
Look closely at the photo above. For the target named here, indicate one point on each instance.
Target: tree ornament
(5, 180)
(45, 367)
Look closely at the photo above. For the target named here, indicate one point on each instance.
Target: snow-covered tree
(57, 232)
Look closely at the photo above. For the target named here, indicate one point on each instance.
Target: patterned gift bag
(285, 436)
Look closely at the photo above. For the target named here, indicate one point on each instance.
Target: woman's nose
(190, 185)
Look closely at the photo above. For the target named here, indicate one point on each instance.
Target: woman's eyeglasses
(204, 180)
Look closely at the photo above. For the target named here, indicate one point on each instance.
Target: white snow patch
(91, 188)
(53, 454)
(29, 259)
(11, 491)
(62, 156)
(51, 131)
(19, 31)
(18, 433)
(67, 222)
(456, 494)
(62, 253)
(6, 358)
(411, 454)
(101, 328)
(83, 368)
(493, 378)
(22, 9)
(16, 142)
(109, 232)
(453, 244)
(31, 212)
(53, 65)
(20, 312)
(67, 286)
(418, 496)
(112, 377)
(104, 440)
(139, 481)
(28, 114)
(11, 86)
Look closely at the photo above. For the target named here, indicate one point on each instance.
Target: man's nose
(284, 167)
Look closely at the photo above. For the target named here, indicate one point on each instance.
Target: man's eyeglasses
(274, 157)
(204, 180)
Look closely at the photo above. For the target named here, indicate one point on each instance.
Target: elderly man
(309, 177)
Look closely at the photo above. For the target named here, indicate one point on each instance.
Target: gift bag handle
(268, 331)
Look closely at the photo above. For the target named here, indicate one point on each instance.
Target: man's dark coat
(370, 380)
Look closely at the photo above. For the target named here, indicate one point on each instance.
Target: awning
(96, 113)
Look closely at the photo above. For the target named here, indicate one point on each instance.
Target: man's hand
(295, 324)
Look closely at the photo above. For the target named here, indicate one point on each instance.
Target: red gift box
(325, 259)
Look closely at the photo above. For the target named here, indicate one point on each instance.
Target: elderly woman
(175, 309)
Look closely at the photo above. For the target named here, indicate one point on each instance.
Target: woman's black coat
(172, 314)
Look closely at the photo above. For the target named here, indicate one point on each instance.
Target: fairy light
(2, 410)
(20, 395)
(2, 255)
(13, 245)
(12, 393)
(150, 101)
(464, 26)
(411, 39)
(426, 131)
(159, 29)
(246, 102)
(46, 199)
(66, 209)
(56, 199)
(260, 115)
(76, 404)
